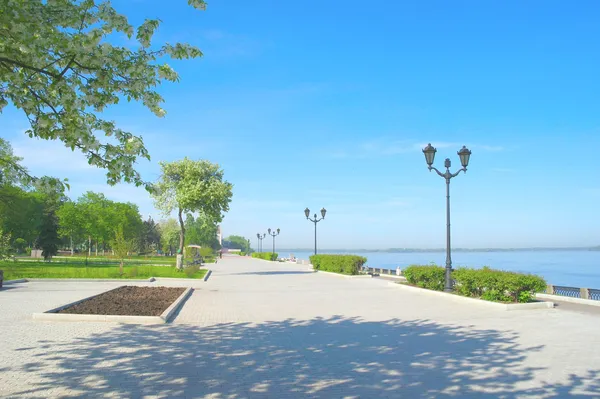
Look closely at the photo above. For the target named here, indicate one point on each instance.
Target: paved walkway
(267, 330)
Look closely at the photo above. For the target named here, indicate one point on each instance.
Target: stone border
(559, 298)
(344, 275)
(52, 315)
(22, 280)
(207, 275)
(476, 301)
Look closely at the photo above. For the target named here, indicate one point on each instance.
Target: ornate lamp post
(273, 234)
(464, 155)
(315, 221)
(260, 238)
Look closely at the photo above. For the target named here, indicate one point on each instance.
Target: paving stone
(272, 330)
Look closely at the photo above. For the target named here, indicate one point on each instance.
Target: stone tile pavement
(268, 330)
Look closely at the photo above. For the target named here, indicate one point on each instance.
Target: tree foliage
(189, 186)
(237, 242)
(121, 245)
(58, 66)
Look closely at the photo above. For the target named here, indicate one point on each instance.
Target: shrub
(265, 255)
(497, 285)
(345, 264)
(431, 277)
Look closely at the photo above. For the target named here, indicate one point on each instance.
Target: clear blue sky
(320, 103)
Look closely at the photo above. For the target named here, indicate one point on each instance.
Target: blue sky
(328, 104)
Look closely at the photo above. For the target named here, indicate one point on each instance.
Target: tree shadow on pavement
(319, 358)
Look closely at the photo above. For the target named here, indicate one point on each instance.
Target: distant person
(221, 253)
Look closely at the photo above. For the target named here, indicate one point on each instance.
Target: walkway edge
(207, 275)
(475, 301)
(588, 302)
(345, 275)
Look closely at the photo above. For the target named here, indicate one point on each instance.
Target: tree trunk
(96, 247)
(72, 246)
(89, 246)
(182, 232)
(121, 267)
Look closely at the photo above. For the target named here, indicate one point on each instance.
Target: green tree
(150, 236)
(121, 245)
(237, 242)
(58, 65)
(192, 186)
(48, 239)
(169, 235)
(5, 247)
(71, 222)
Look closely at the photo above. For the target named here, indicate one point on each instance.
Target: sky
(328, 104)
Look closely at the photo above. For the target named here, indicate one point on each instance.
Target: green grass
(104, 260)
(18, 270)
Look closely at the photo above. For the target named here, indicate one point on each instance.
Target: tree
(4, 245)
(149, 236)
(237, 242)
(192, 186)
(58, 66)
(48, 239)
(121, 245)
(70, 222)
(169, 235)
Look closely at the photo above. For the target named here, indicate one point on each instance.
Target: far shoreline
(420, 250)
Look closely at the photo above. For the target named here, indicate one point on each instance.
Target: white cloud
(50, 157)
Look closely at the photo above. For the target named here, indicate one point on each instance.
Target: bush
(345, 264)
(265, 255)
(497, 285)
(431, 277)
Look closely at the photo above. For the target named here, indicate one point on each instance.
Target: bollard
(584, 293)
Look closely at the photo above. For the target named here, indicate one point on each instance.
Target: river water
(575, 268)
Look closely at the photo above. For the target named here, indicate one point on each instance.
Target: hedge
(265, 255)
(497, 285)
(431, 277)
(486, 283)
(345, 264)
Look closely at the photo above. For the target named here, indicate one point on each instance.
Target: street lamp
(260, 238)
(273, 234)
(464, 155)
(315, 221)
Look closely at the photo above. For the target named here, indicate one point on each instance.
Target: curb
(344, 275)
(166, 315)
(559, 298)
(22, 280)
(207, 275)
(89, 280)
(51, 315)
(475, 301)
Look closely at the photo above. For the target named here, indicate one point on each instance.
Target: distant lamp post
(260, 238)
(315, 221)
(464, 155)
(273, 234)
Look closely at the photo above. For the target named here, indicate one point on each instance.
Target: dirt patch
(128, 301)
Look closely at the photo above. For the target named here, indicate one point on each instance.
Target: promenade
(258, 329)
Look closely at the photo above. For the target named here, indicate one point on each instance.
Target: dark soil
(128, 301)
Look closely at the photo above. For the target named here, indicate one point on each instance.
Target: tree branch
(30, 67)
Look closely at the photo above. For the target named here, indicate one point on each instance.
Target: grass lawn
(18, 270)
